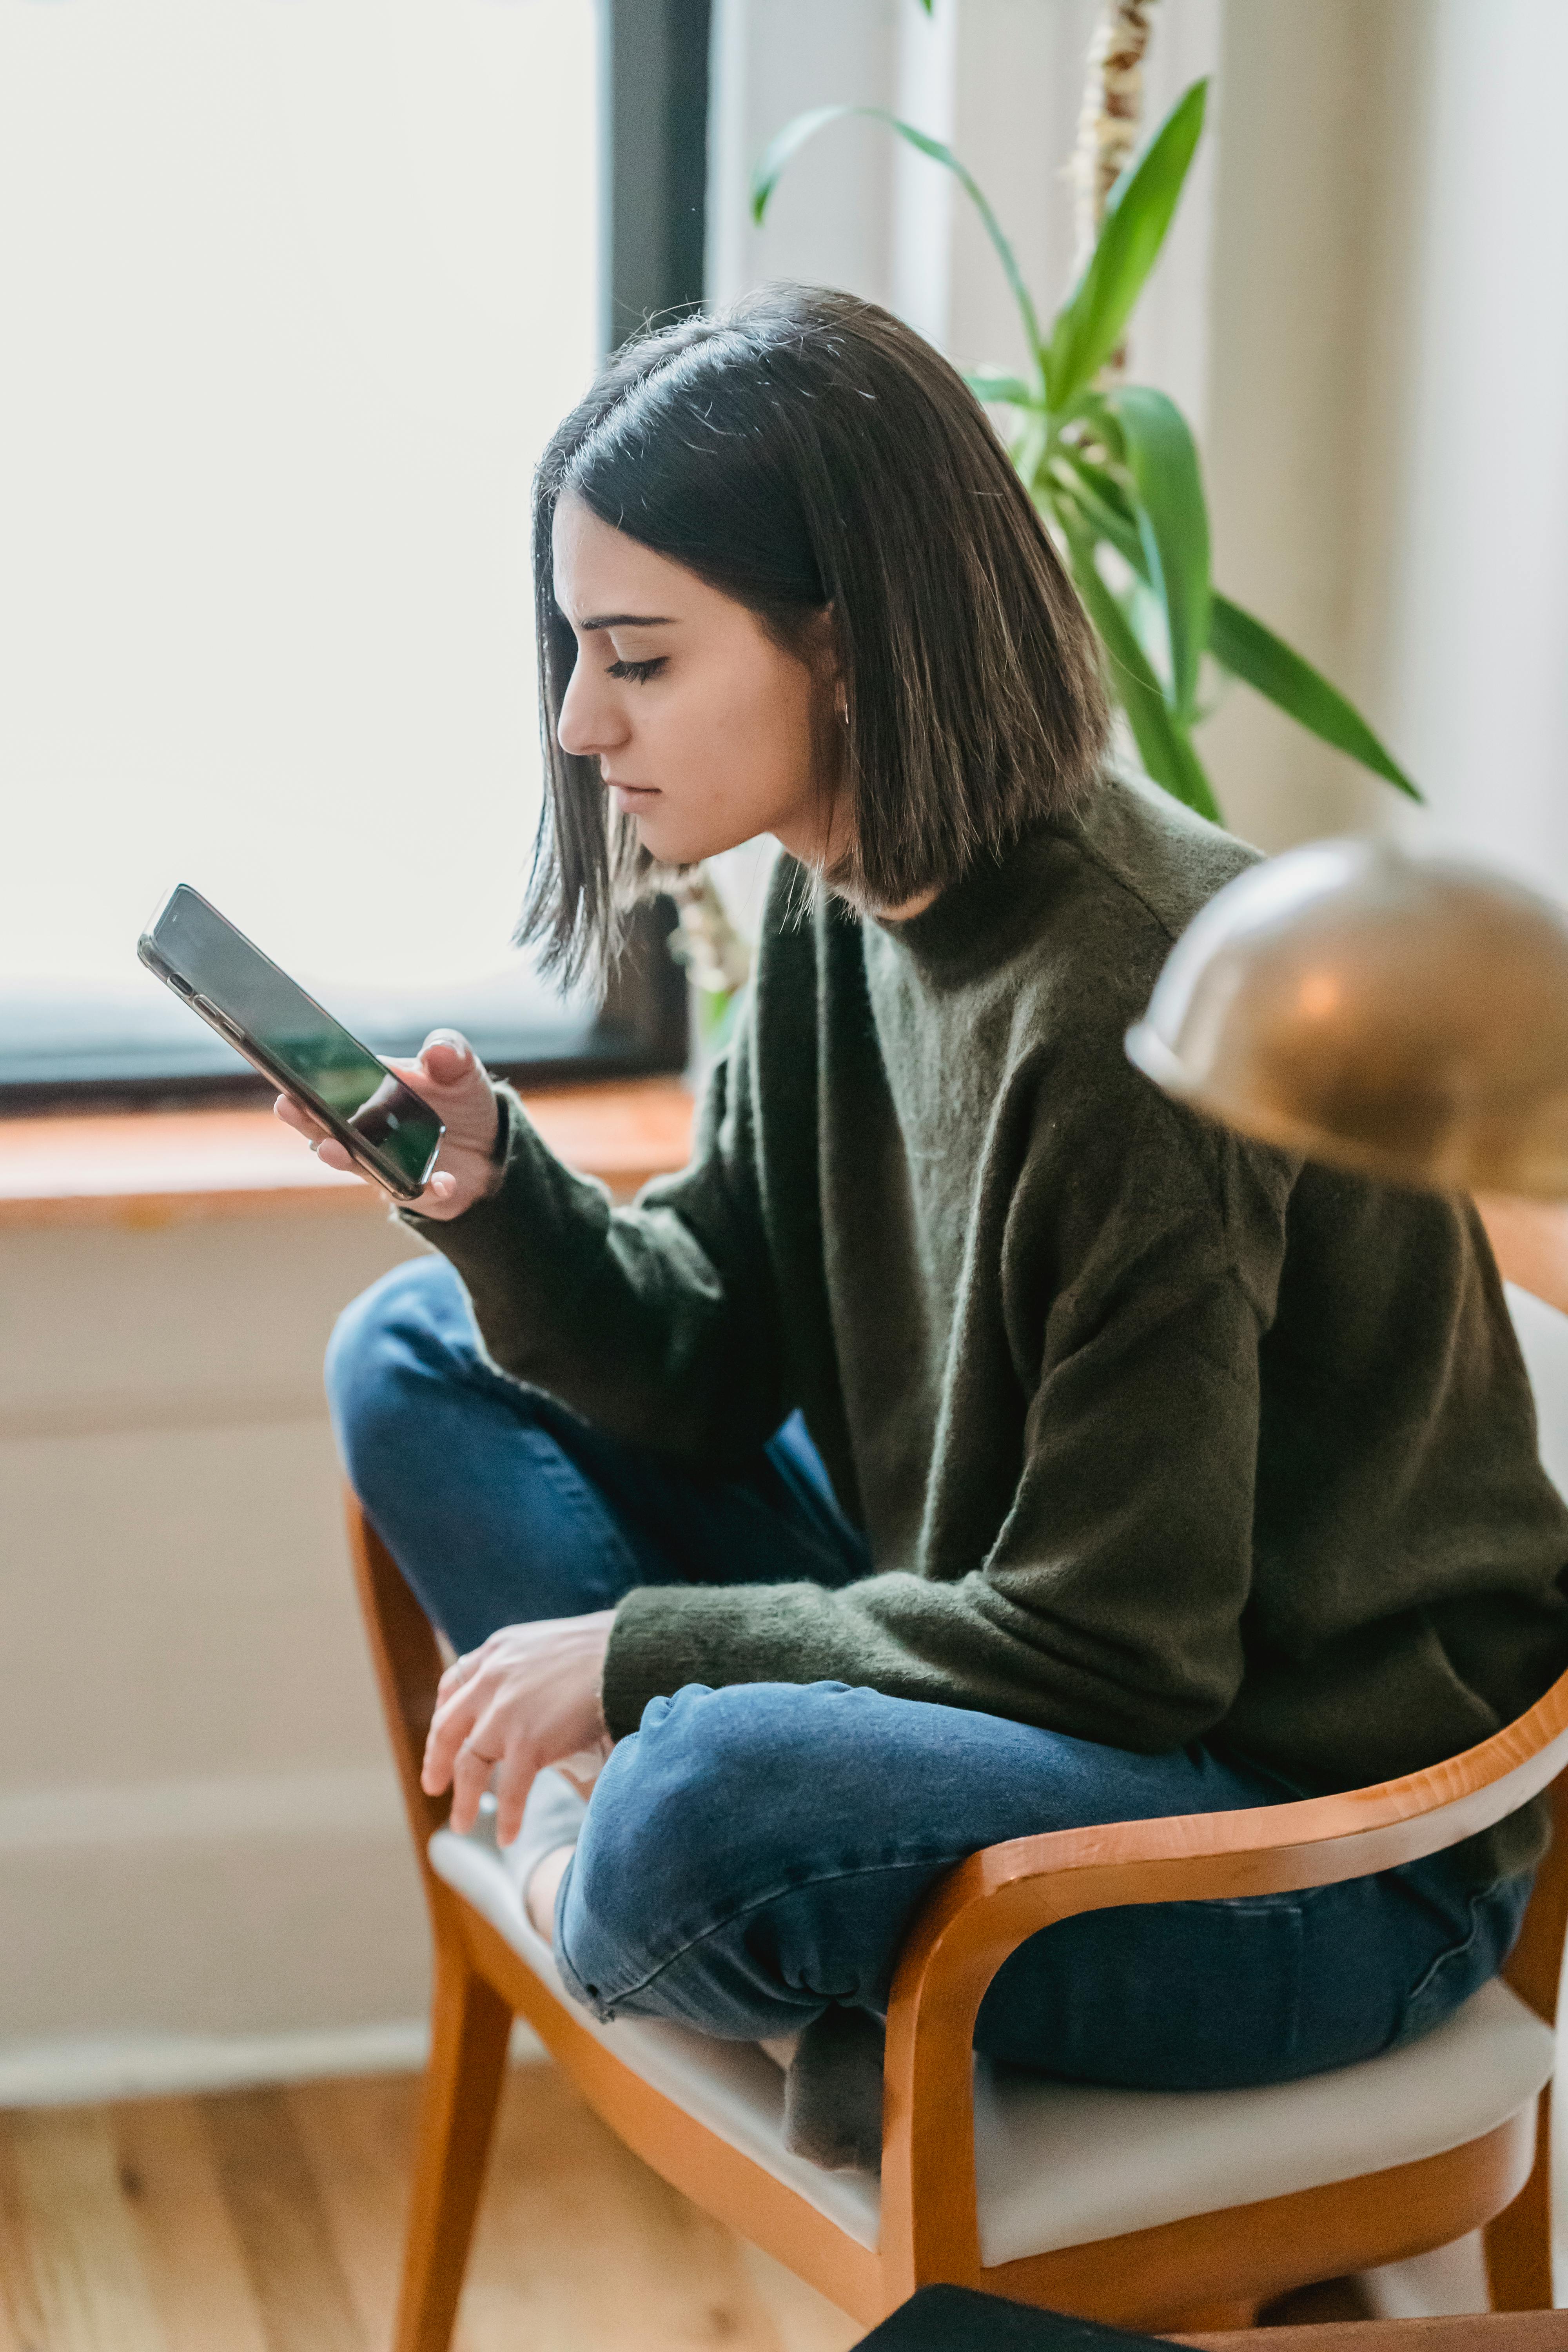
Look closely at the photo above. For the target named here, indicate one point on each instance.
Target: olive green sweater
(1155, 1435)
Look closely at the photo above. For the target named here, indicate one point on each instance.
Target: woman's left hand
(524, 1699)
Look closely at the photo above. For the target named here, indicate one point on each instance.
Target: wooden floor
(270, 2220)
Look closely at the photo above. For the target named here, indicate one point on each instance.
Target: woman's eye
(639, 672)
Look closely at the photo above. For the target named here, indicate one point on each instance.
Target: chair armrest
(982, 1910)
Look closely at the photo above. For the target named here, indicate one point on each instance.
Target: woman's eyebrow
(624, 621)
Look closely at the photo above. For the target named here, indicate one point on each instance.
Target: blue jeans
(755, 1854)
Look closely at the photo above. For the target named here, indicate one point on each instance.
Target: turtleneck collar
(985, 917)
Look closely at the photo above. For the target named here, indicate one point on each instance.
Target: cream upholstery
(1061, 2166)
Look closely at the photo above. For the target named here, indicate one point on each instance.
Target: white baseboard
(87, 2072)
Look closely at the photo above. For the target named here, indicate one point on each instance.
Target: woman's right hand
(452, 1079)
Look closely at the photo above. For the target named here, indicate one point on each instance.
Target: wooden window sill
(162, 1167)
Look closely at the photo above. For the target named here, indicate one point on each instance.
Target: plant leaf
(1163, 743)
(1028, 450)
(1100, 500)
(1092, 409)
(986, 384)
(1088, 325)
(793, 136)
(779, 151)
(1255, 654)
(1063, 501)
(1173, 523)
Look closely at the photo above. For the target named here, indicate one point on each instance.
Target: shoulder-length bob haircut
(806, 452)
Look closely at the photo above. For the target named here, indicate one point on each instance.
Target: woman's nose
(589, 722)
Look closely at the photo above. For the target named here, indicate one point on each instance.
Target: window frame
(653, 102)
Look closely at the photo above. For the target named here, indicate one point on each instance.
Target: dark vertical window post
(654, 91)
(655, 95)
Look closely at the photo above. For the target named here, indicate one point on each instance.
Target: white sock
(552, 1817)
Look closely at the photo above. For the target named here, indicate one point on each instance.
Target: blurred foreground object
(717, 959)
(1403, 1016)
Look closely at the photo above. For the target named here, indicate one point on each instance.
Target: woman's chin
(670, 843)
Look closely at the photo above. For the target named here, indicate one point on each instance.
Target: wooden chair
(1150, 2209)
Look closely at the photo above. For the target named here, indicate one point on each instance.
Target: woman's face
(702, 725)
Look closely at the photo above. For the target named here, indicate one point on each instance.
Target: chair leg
(470, 2025)
(1519, 2242)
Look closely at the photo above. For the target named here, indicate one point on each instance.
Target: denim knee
(672, 1840)
(384, 1347)
(708, 1856)
(684, 1804)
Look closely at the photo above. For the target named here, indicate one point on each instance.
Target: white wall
(1386, 423)
(1477, 658)
(199, 1831)
(1313, 164)
(828, 223)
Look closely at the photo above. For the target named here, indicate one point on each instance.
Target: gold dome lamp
(1402, 1015)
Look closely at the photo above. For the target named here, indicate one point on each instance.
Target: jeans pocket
(1176, 1997)
(1477, 1953)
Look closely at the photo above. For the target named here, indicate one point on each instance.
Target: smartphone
(389, 1130)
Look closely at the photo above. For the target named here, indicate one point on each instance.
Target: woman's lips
(632, 798)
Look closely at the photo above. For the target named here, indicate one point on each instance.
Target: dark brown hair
(807, 451)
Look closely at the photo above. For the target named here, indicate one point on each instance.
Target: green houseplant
(1113, 469)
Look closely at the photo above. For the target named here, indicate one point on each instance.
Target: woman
(971, 1442)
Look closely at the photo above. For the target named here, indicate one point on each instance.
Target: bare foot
(543, 1885)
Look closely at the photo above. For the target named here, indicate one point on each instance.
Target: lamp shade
(1404, 1016)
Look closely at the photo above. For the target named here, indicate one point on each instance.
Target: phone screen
(313, 1055)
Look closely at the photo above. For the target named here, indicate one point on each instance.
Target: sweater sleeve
(656, 1322)
(1139, 1263)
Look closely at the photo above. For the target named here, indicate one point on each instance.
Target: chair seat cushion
(1058, 2164)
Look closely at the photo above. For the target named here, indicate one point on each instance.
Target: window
(294, 294)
